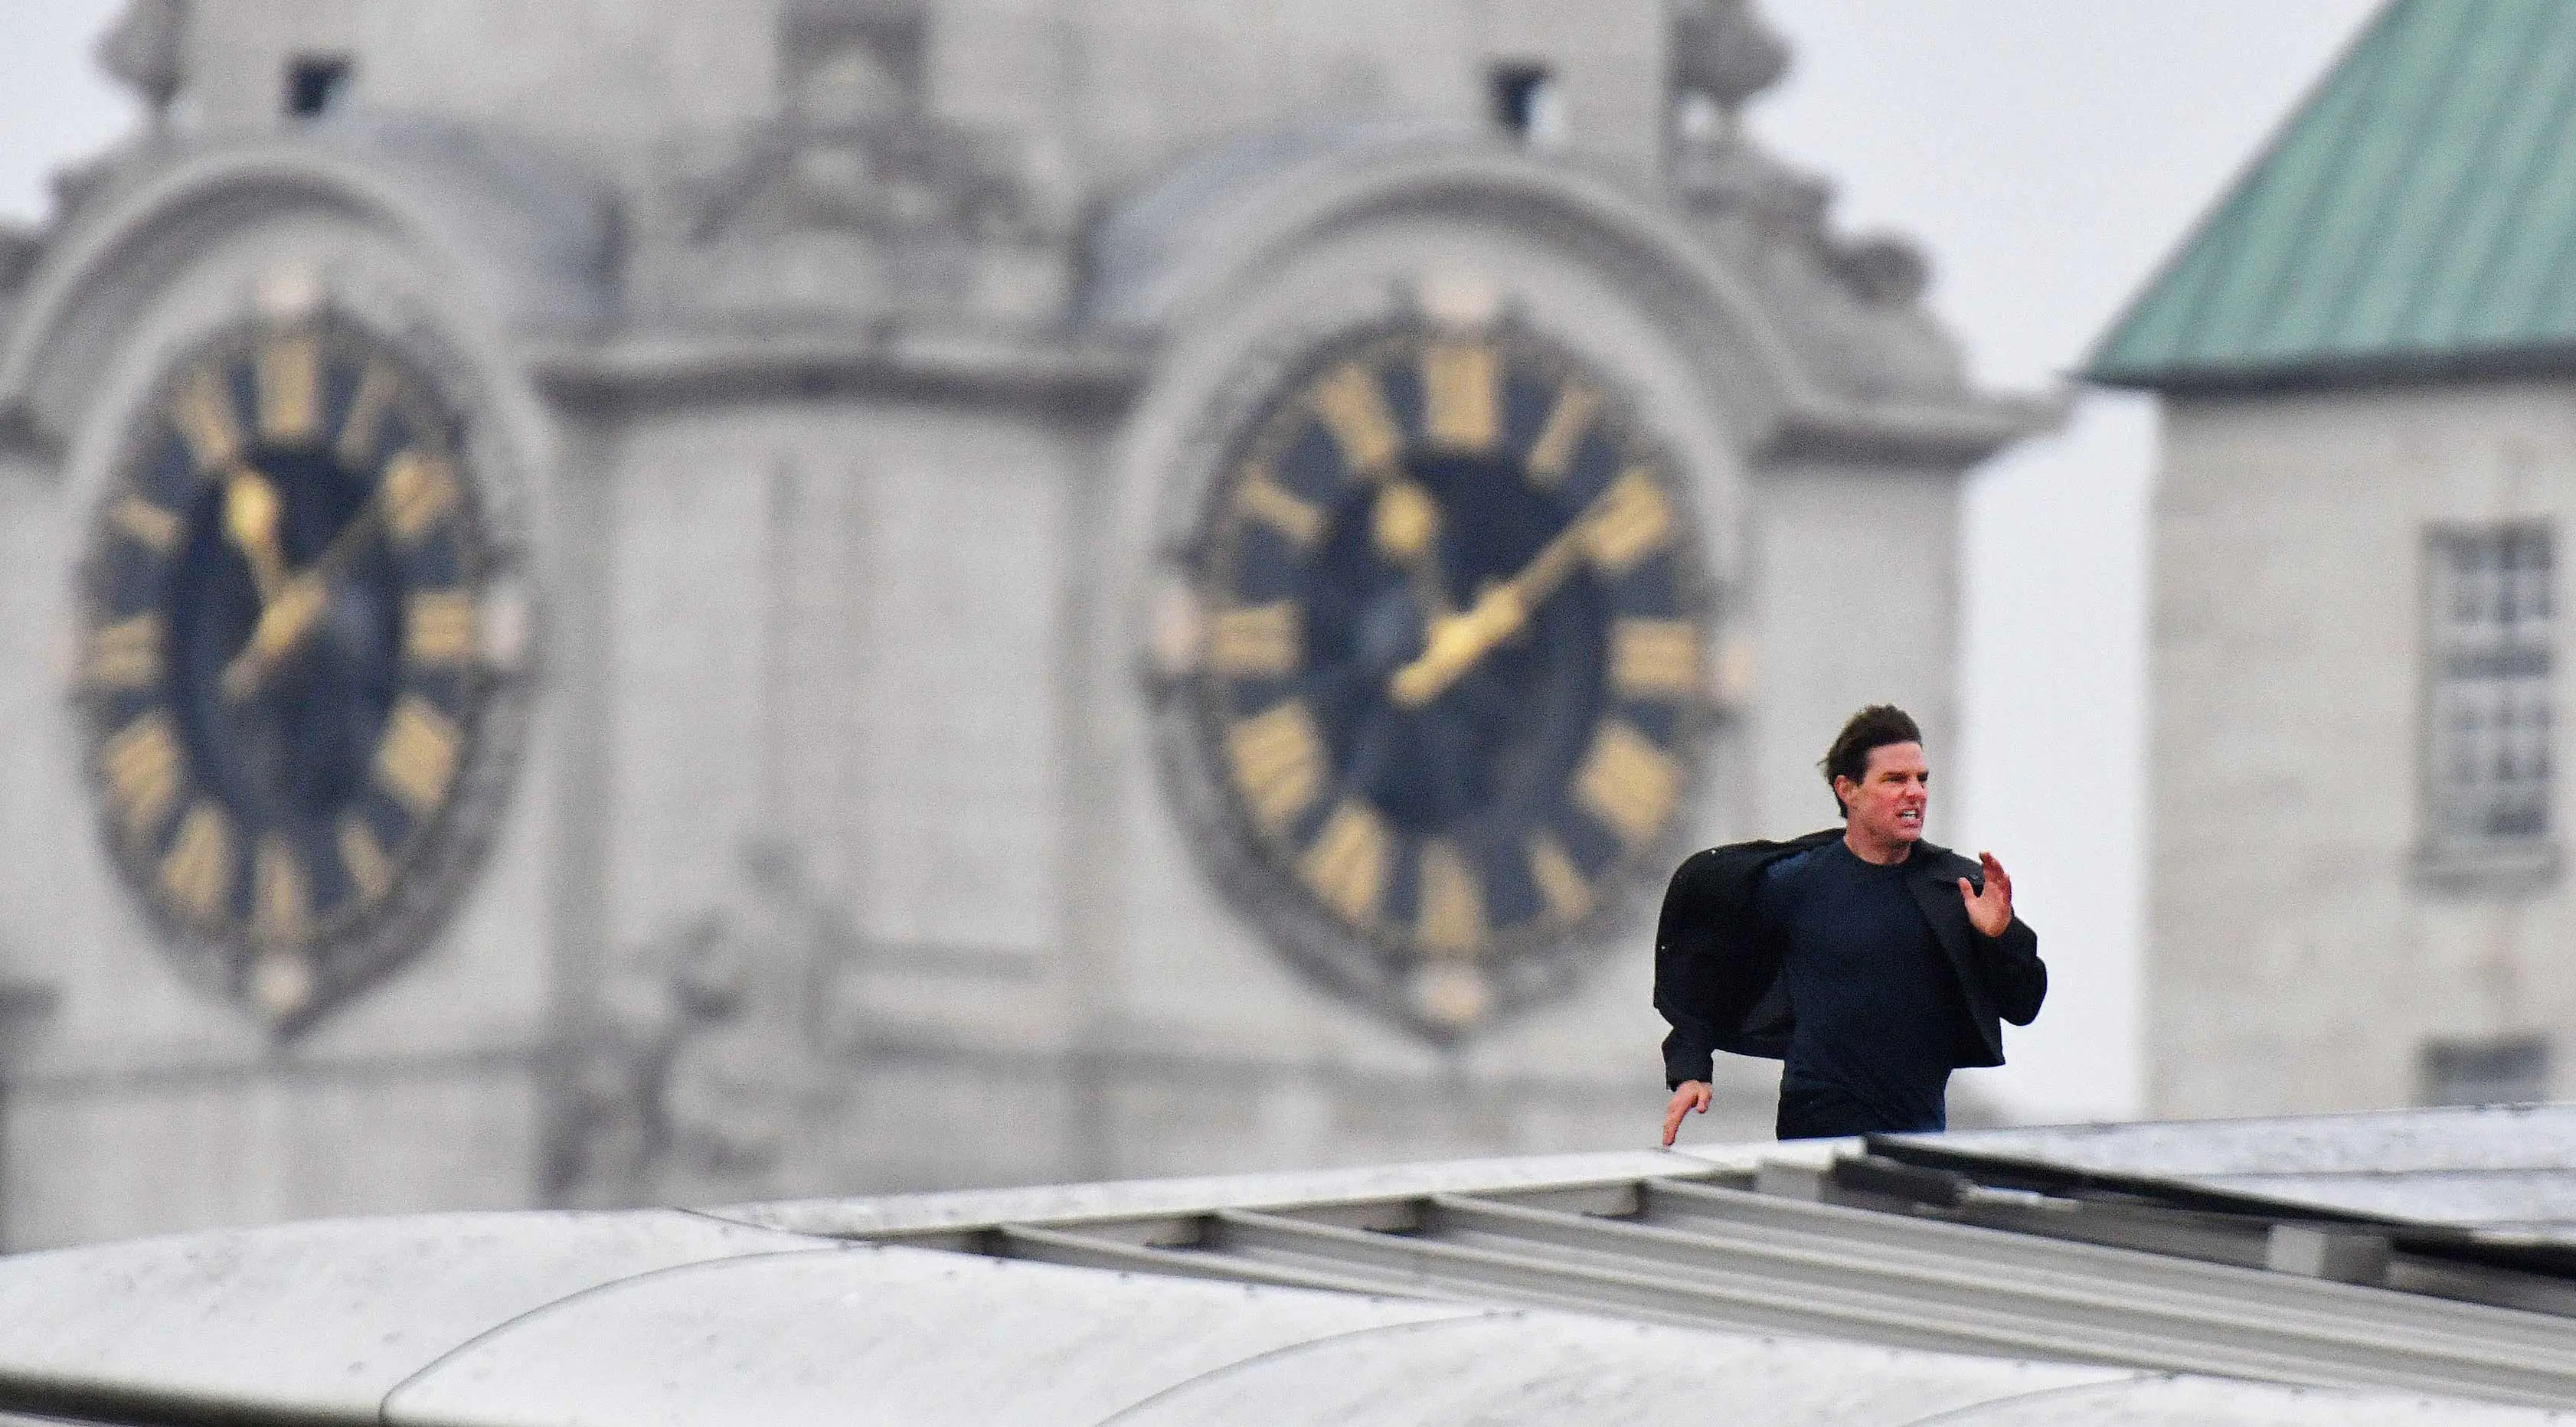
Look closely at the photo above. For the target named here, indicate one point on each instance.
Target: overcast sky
(2047, 153)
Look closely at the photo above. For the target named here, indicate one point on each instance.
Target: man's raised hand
(1690, 1099)
(1989, 911)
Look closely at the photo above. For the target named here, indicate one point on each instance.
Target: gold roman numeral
(1552, 455)
(1262, 642)
(1567, 891)
(1654, 658)
(1278, 763)
(197, 872)
(144, 523)
(204, 416)
(1346, 864)
(142, 764)
(418, 756)
(126, 654)
(1452, 902)
(418, 489)
(356, 448)
(1353, 407)
(1630, 521)
(281, 980)
(1461, 396)
(1260, 497)
(287, 374)
(364, 859)
(281, 896)
(439, 627)
(1627, 782)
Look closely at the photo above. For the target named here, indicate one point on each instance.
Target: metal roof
(1831, 1239)
(1826, 1282)
(2504, 1175)
(2416, 216)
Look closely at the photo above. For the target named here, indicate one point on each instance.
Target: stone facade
(2308, 939)
(840, 367)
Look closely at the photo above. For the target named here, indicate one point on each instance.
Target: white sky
(54, 104)
(2048, 153)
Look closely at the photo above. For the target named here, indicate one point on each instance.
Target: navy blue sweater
(1879, 1018)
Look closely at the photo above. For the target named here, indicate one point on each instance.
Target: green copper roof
(2417, 216)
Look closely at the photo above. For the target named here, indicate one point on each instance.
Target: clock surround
(302, 631)
(1432, 667)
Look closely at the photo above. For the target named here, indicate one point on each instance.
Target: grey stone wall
(2298, 955)
(603, 76)
(1120, 91)
(1858, 584)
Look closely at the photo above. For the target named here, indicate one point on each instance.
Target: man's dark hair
(1874, 727)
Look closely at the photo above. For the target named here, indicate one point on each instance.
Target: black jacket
(1717, 959)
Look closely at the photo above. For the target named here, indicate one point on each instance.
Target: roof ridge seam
(385, 1404)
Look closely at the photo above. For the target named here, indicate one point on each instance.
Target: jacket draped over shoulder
(1718, 959)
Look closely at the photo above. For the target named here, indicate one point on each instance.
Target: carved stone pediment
(856, 202)
(906, 177)
(807, 220)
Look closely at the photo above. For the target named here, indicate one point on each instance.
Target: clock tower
(759, 597)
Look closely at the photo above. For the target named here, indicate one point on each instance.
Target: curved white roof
(681, 1318)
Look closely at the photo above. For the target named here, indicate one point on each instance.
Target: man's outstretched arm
(2014, 972)
(2007, 948)
(1683, 985)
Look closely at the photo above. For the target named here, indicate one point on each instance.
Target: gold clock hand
(1459, 641)
(250, 518)
(1406, 523)
(282, 626)
(298, 607)
(1455, 644)
(1500, 611)
(344, 546)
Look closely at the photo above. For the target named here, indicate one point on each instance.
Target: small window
(314, 83)
(2499, 1070)
(2490, 613)
(1529, 104)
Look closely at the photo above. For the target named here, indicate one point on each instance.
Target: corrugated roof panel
(2527, 161)
(2526, 1200)
(1824, 1238)
(2508, 1171)
(2418, 212)
(2324, 247)
(2526, 258)
(2468, 1137)
(2438, 169)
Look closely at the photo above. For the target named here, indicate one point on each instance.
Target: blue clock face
(284, 670)
(1453, 652)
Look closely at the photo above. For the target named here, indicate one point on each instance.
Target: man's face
(1887, 803)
